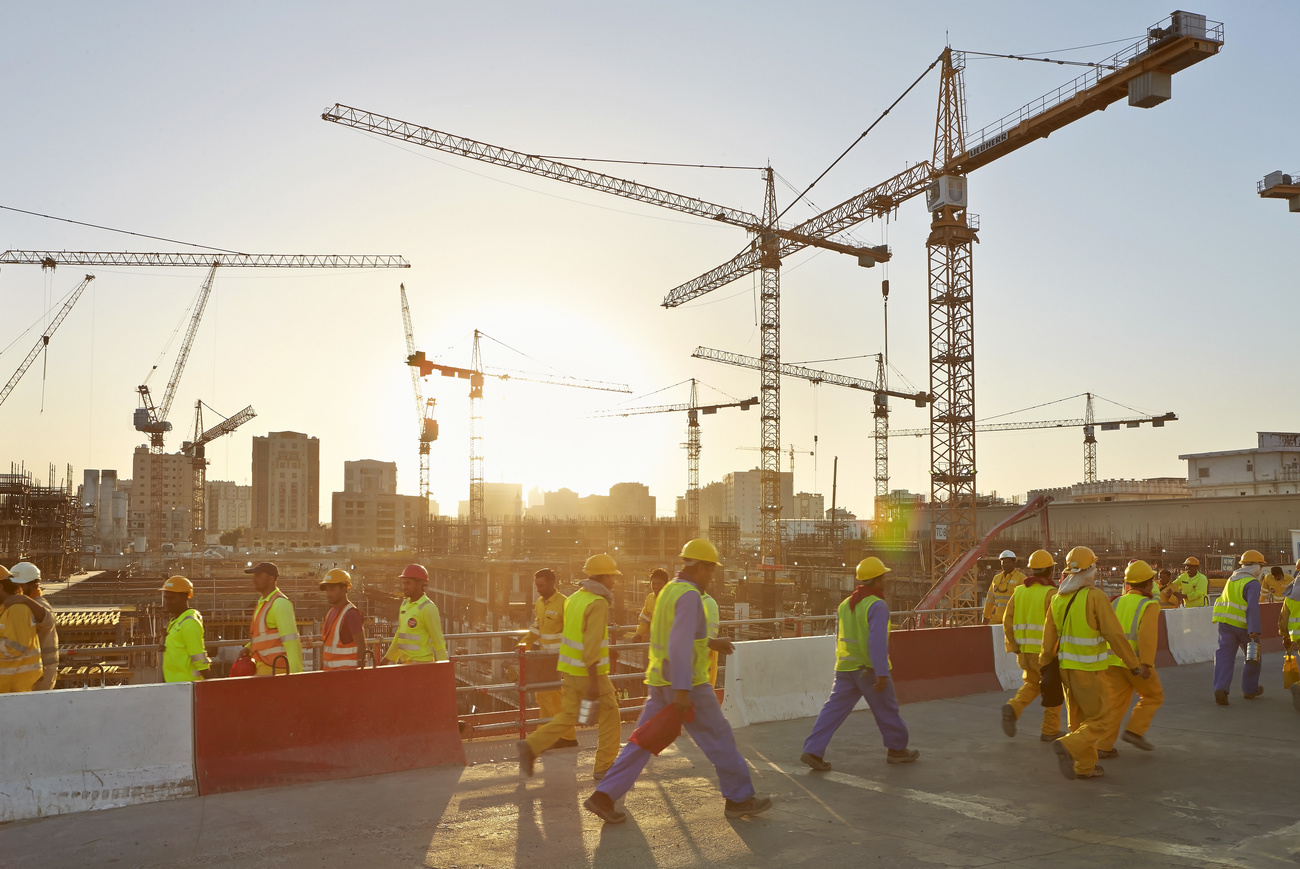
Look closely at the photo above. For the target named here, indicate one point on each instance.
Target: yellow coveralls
(1197, 589)
(642, 633)
(1086, 694)
(547, 631)
(1276, 588)
(1123, 685)
(1000, 591)
(1028, 659)
(1165, 594)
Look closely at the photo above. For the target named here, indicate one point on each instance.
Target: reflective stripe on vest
(1029, 612)
(571, 642)
(15, 658)
(1293, 617)
(413, 643)
(661, 631)
(334, 653)
(853, 635)
(265, 644)
(1082, 646)
(1230, 608)
(553, 606)
(1129, 612)
(1001, 598)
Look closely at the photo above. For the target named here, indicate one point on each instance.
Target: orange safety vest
(334, 654)
(267, 644)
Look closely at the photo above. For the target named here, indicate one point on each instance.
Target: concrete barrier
(264, 732)
(1192, 636)
(1005, 664)
(776, 680)
(95, 748)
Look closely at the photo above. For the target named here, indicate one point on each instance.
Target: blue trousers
(849, 688)
(1232, 638)
(711, 732)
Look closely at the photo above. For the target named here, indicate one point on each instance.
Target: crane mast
(426, 431)
(197, 451)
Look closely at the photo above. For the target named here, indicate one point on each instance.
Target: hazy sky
(1127, 255)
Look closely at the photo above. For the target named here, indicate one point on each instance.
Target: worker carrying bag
(1049, 676)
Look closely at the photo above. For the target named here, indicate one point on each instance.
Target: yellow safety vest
(266, 644)
(1029, 612)
(853, 635)
(1082, 646)
(571, 643)
(1000, 590)
(179, 663)
(17, 659)
(415, 642)
(1230, 608)
(1292, 617)
(661, 629)
(1129, 609)
(1195, 596)
(549, 621)
(711, 613)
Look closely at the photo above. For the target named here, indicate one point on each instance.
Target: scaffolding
(40, 523)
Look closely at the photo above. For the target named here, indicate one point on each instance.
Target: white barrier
(1192, 635)
(776, 680)
(95, 748)
(1005, 664)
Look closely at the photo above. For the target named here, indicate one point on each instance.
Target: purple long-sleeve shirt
(878, 640)
(689, 625)
(1251, 592)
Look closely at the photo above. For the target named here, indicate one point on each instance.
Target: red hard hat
(415, 571)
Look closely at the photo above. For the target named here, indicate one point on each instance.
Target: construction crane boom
(1103, 424)
(53, 258)
(44, 341)
(426, 429)
(813, 375)
(196, 449)
(183, 354)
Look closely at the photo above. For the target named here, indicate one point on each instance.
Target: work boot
(603, 807)
(564, 743)
(1221, 697)
(1063, 760)
(815, 762)
(1137, 739)
(1051, 737)
(526, 759)
(1095, 772)
(1107, 752)
(752, 806)
(907, 755)
(1258, 691)
(1008, 719)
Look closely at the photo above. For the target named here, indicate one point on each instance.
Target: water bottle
(1252, 651)
(588, 711)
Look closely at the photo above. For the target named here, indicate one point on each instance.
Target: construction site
(498, 479)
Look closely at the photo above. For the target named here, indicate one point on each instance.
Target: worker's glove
(882, 682)
(1145, 671)
(722, 646)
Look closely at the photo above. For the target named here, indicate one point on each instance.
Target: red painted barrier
(942, 662)
(281, 730)
(1269, 639)
(1164, 658)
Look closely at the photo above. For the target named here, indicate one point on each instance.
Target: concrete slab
(1219, 791)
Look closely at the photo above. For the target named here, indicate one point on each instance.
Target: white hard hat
(24, 572)
(1007, 553)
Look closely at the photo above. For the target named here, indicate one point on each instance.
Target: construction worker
(1022, 634)
(678, 675)
(1236, 612)
(713, 623)
(861, 672)
(185, 657)
(1274, 582)
(419, 624)
(1080, 624)
(547, 632)
(1193, 584)
(658, 579)
(343, 638)
(20, 645)
(1288, 625)
(1170, 597)
(28, 578)
(1139, 616)
(1001, 588)
(273, 632)
(584, 670)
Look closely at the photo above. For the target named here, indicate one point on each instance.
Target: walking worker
(1139, 616)
(1022, 633)
(658, 579)
(1001, 588)
(273, 632)
(20, 645)
(1236, 612)
(1274, 581)
(861, 672)
(548, 631)
(1170, 597)
(28, 578)
(678, 675)
(185, 658)
(1194, 585)
(419, 624)
(584, 668)
(714, 623)
(1288, 625)
(343, 639)
(1080, 624)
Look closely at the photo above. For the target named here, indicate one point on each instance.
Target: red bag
(661, 731)
(243, 666)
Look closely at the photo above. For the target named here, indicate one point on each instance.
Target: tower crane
(768, 239)
(476, 375)
(1281, 185)
(44, 341)
(693, 409)
(426, 429)
(197, 450)
(1142, 72)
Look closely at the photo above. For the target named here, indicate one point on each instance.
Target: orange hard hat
(415, 571)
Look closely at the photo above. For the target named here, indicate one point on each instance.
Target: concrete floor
(1220, 790)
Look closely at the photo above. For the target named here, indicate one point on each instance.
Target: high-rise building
(743, 497)
(630, 501)
(809, 505)
(286, 482)
(175, 488)
(369, 513)
(228, 505)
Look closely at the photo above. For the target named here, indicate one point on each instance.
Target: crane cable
(122, 231)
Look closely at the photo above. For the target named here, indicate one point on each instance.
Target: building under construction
(39, 523)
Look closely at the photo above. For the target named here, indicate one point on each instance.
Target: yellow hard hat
(869, 568)
(1138, 572)
(336, 576)
(1041, 558)
(4, 572)
(700, 549)
(1192, 561)
(1253, 556)
(1079, 559)
(179, 583)
(601, 565)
